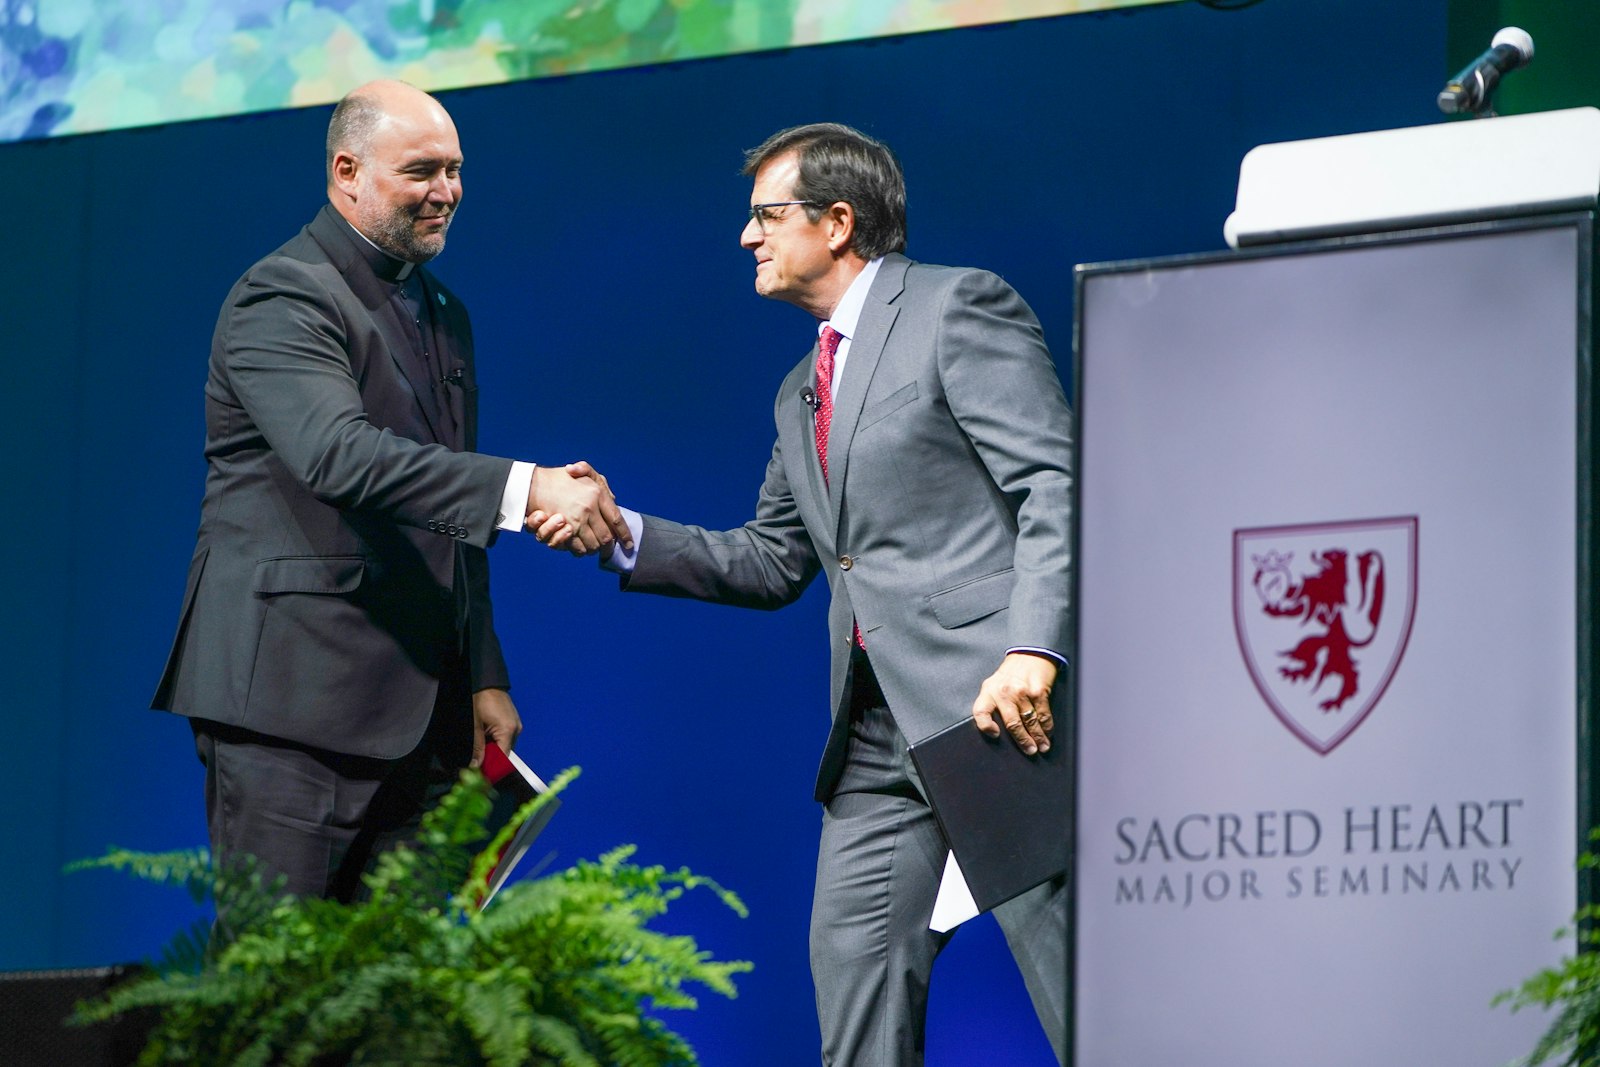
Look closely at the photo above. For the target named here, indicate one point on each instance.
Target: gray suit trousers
(878, 868)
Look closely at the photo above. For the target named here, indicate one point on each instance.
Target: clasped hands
(571, 508)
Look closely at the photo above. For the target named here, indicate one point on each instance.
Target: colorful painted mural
(76, 66)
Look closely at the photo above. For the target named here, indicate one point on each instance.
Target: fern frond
(560, 1042)
(496, 1011)
(189, 868)
(471, 889)
(564, 970)
(1571, 988)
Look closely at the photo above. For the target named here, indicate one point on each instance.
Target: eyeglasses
(762, 214)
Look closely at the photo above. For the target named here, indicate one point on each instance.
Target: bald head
(357, 117)
(394, 167)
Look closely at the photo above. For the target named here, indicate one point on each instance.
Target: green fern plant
(558, 970)
(1571, 988)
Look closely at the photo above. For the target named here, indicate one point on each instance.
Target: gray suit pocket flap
(309, 574)
(888, 405)
(972, 600)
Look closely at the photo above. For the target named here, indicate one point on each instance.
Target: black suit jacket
(340, 570)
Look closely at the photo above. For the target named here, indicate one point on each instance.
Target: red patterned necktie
(827, 349)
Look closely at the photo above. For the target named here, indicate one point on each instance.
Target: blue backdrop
(615, 319)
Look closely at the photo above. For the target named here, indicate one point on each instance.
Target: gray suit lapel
(805, 440)
(866, 347)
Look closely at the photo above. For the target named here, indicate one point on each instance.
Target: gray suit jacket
(945, 528)
(339, 570)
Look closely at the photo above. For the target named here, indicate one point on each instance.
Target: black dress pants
(319, 819)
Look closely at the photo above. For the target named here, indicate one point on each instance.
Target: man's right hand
(572, 508)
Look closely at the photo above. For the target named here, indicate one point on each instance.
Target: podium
(1336, 652)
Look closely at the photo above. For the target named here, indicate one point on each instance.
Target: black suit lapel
(402, 336)
(378, 296)
(451, 364)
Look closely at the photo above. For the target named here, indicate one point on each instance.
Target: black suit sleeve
(292, 358)
(486, 663)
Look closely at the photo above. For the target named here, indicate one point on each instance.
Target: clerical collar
(382, 263)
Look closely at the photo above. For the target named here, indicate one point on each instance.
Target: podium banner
(1327, 665)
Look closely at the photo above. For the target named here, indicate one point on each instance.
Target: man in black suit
(336, 653)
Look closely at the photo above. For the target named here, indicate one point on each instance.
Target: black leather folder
(1007, 816)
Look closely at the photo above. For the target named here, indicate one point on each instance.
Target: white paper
(954, 904)
(527, 772)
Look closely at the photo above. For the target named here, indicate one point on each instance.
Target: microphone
(1471, 90)
(454, 376)
(809, 395)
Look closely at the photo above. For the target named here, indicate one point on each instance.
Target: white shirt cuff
(514, 501)
(1051, 653)
(621, 560)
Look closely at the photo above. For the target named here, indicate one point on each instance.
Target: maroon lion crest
(1321, 602)
(1323, 613)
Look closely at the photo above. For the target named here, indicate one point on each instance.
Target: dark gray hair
(840, 163)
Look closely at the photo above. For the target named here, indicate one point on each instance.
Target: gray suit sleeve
(285, 354)
(1004, 391)
(766, 563)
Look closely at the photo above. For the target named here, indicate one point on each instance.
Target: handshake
(571, 508)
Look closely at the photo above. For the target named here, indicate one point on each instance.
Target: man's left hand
(1019, 693)
(494, 719)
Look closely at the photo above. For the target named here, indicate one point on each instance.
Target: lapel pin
(441, 300)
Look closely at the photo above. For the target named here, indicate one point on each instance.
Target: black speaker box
(34, 1006)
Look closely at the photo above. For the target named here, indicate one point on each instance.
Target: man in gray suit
(336, 652)
(923, 464)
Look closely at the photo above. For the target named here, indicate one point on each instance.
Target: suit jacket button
(845, 563)
(432, 525)
(461, 531)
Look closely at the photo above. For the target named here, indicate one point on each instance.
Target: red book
(511, 785)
